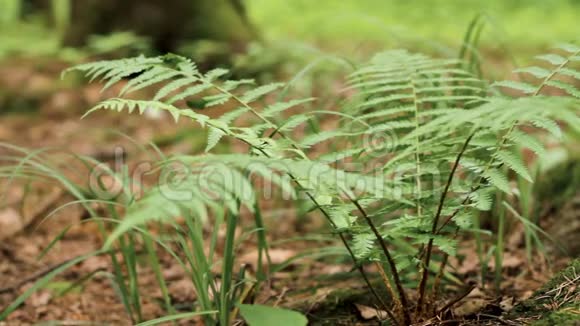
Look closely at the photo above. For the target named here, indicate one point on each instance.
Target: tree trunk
(168, 23)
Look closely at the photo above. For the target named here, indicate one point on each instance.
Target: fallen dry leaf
(277, 256)
(367, 312)
(10, 223)
(510, 260)
(507, 303)
(473, 303)
(40, 298)
(470, 307)
(173, 273)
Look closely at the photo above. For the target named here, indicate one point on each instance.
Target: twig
(456, 300)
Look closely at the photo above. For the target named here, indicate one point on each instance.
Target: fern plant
(448, 142)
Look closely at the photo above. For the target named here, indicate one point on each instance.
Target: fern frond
(514, 162)
(549, 125)
(173, 86)
(498, 179)
(464, 219)
(518, 86)
(527, 141)
(560, 65)
(155, 75)
(259, 92)
(118, 104)
(482, 199)
(568, 88)
(215, 135)
(279, 107)
(362, 244)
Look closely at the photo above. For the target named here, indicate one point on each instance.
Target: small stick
(456, 300)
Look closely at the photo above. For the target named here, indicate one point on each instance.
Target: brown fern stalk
(425, 271)
(398, 284)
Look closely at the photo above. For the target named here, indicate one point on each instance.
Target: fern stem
(425, 271)
(398, 284)
(348, 248)
(418, 191)
(386, 280)
(387, 283)
(499, 247)
(437, 282)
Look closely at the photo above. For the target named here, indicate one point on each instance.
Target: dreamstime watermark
(380, 142)
(217, 178)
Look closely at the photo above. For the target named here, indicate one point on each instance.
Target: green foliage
(259, 315)
(400, 23)
(447, 143)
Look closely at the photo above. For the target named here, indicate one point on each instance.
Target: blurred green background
(519, 23)
(348, 27)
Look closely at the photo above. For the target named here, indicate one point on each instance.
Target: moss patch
(562, 317)
(557, 302)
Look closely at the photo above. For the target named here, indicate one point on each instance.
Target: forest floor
(328, 292)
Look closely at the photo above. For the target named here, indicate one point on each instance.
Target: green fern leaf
(554, 59)
(519, 86)
(294, 122)
(568, 47)
(515, 163)
(276, 108)
(218, 99)
(188, 92)
(447, 245)
(258, 92)
(213, 138)
(212, 75)
(340, 155)
(150, 77)
(535, 71)
(570, 72)
(527, 141)
(187, 67)
(498, 179)
(549, 125)
(464, 219)
(341, 217)
(231, 85)
(565, 87)
(482, 199)
(363, 244)
(320, 137)
(174, 86)
(230, 116)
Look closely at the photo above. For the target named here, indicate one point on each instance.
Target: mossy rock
(556, 303)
